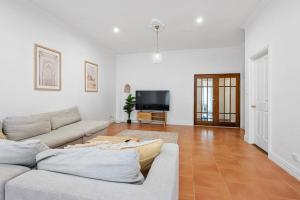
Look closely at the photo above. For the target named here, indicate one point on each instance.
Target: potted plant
(128, 107)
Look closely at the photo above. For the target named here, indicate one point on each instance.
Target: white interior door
(260, 101)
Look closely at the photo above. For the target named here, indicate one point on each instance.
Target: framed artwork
(91, 76)
(47, 68)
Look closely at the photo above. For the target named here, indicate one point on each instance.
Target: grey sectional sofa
(22, 183)
(161, 183)
(55, 129)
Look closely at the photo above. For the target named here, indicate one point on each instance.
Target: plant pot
(129, 121)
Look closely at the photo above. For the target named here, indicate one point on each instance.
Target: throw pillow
(2, 136)
(20, 153)
(107, 165)
(148, 152)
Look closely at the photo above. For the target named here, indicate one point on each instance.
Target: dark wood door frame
(216, 99)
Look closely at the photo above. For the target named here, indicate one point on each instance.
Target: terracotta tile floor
(215, 163)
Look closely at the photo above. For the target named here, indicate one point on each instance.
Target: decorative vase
(128, 121)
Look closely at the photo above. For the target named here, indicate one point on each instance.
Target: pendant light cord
(157, 27)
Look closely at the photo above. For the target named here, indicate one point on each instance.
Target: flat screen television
(152, 100)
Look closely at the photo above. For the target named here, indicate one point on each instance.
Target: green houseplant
(129, 105)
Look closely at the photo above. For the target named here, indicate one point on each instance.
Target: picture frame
(90, 76)
(47, 68)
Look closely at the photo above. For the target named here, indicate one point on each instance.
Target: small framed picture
(47, 68)
(91, 76)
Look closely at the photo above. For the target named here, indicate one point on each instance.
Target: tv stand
(152, 116)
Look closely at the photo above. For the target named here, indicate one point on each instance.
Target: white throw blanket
(108, 145)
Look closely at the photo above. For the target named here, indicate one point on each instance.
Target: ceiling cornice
(255, 13)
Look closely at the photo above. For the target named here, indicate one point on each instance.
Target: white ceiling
(96, 18)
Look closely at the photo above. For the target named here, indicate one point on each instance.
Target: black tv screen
(152, 100)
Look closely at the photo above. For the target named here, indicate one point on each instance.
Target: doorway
(259, 99)
(217, 99)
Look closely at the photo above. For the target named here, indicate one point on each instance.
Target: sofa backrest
(19, 128)
(64, 117)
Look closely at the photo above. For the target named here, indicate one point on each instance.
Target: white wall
(277, 26)
(175, 73)
(23, 25)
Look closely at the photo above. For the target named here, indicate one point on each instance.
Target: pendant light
(158, 27)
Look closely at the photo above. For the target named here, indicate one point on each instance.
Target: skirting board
(168, 123)
(285, 165)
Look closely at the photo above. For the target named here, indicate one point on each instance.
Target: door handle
(253, 106)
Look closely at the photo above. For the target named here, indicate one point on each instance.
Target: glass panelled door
(228, 101)
(205, 105)
(217, 100)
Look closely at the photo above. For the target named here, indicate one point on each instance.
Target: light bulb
(116, 30)
(157, 58)
(199, 20)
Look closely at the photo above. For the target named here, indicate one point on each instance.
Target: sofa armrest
(163, 177)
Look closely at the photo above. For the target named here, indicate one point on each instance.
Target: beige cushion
(65, 117)
(148, 153)
(60, 137)
(2, 136)
(19, 128)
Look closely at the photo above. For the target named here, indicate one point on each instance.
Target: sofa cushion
(59, 137)
(45, 185)
(19, 128)
(148, 150)
(8, 172)
(89, 127)
(95, 163)
(20, 153)
(65, 117)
